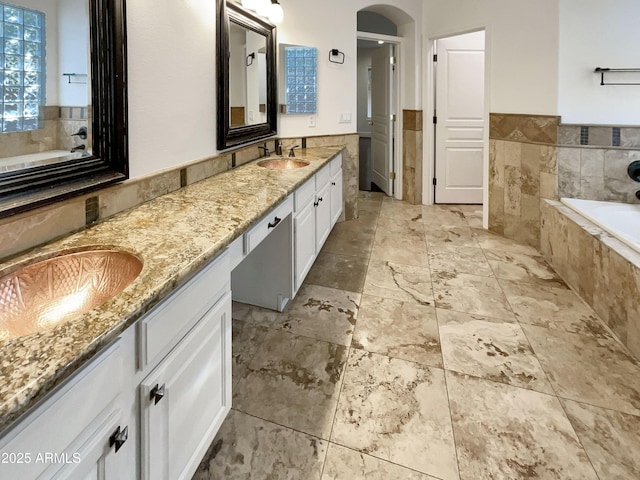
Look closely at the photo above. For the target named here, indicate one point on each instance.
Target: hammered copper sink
(282, 163)
(48, 292)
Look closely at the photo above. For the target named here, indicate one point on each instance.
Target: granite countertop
(175, 235)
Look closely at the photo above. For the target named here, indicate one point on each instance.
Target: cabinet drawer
(68, 419)
(336, 164)
(304, 195)
(168, 322)
(265, 226)
(322, 177)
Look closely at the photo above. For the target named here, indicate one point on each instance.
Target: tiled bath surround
(604, 271)
(23, 231)
(412, 164)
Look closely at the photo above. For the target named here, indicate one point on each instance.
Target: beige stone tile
(511, 153)
(434, 216)
(388, 407)
(345, 272)
(496, 163)
(322, 313)
(530, 169)
(492, 241)
(493, 349)
(611, 439)
(507, 432)
(246, 339)
(548, 185)
(293, 381)
(343, 463)
(592, 162)
(398, 329)
(470, 294)
(369, 205)
(400, 226)
(552, 307)
(409, 249)
(600, 372)
(254, 315)
(512, 190)
(450, 236)
(352, 237)
(549, 159)
(400, 210)
(248, 447)
(521, 267)
(396, 281)
(459, 260)
(496, 209)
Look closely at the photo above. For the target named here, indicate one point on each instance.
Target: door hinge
(392, 175)
(435, 181)
(393, 60)
(435, 120)
(435, 57)
(393, 117)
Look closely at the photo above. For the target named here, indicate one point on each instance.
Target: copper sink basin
(49, 292)
(282, 163)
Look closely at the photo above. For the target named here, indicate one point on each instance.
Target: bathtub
(20, 162)
(619, 219)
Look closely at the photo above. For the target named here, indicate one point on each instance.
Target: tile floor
(423, 347)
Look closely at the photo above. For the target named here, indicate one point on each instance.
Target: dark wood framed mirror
(90, 148)
(247, 90)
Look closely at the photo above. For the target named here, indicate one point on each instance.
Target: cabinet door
(323, 216)
(305, 242)
(336, 197)
(186, 398)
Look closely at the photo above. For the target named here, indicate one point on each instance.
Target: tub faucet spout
(79, 147)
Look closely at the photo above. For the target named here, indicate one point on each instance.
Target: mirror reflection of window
(44, 82)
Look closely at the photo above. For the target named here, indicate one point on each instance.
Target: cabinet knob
(333, 183)
(156, 394)
(275, 222)
(319, 199)
(119, 437)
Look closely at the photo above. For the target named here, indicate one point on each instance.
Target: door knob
(156, 394)
(119, 437)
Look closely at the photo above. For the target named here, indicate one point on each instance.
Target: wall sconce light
(270, 9)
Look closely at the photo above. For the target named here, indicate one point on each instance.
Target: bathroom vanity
(138, 387)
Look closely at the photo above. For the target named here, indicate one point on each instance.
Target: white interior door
(460, 112)
(381, 129)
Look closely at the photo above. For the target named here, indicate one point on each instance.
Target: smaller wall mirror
(246, 77)
(298, 78)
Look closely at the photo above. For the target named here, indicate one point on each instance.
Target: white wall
(593, 34)
(364, 62)
(73, 51)
(522, 47)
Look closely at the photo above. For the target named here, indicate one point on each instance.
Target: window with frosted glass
(301, 73)
(21, 68)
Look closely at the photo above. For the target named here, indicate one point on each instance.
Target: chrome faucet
(79, 147)
(279, 148)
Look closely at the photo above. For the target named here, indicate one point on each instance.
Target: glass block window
(21, 68)
(301, 67)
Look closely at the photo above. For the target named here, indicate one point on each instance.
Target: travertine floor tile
(492, 241)
(323, 313)
(521, 267)
(400, 210)
(293, 381)
(343, 463)
(470, 294)
(450, 236)
(246, 338)
(397, 411)
(407, 249)
(511, 433)
(253, 314)
(399, 282)
(401, 226)
(345, 272)
(436, 216)
(492, 349)
(552, 307)
(611, 439)
(586, 369)
(398, 329)
(459, 260)
(248, 447)
(353, 237)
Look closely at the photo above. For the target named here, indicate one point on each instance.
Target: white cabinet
(186, 398)
(317, 206)
(75, 432)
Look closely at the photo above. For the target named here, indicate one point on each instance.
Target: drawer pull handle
(119, 437)
(276, 221)
(156, 394)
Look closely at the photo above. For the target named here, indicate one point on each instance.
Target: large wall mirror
(63, 104)
(246, 77)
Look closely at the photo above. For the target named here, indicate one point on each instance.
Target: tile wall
(23, 231)
(412, 156)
